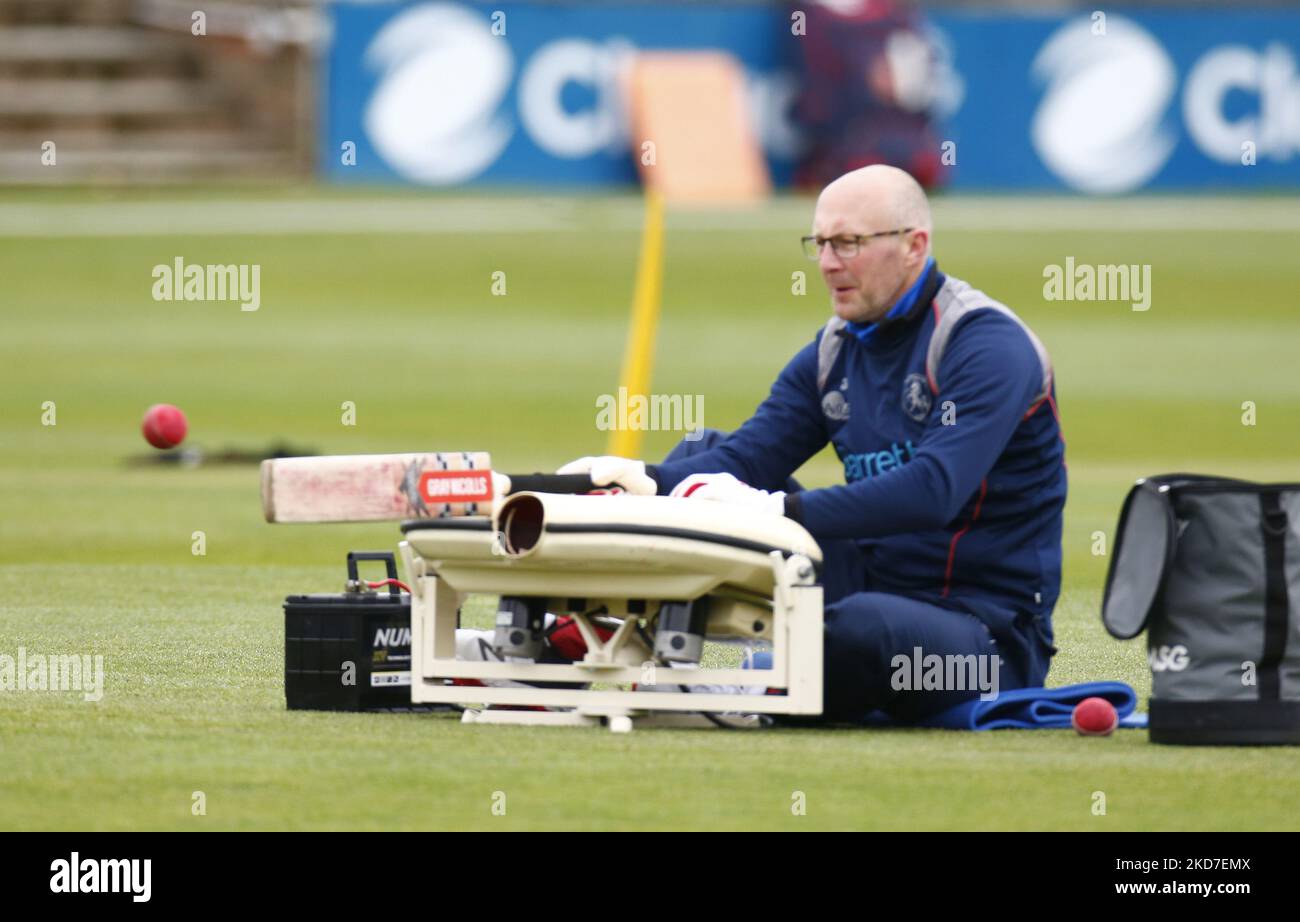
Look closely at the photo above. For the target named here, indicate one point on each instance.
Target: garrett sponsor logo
(874, 463)
(455, 487)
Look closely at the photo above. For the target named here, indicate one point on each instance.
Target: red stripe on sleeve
(952, 546)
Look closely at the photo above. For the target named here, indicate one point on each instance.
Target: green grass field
(385, 299)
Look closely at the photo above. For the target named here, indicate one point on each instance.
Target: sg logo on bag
(1168, 659)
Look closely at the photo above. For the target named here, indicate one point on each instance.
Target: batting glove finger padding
(725, 488)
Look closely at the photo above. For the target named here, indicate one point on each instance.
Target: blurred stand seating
(128, 93)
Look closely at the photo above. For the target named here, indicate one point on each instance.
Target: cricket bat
(377, 488)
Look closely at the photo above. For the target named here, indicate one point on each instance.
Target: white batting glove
(725, 488)
(500, 493)
(614, 472)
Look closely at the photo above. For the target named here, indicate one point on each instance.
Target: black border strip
(451, 523)
(1225, 723)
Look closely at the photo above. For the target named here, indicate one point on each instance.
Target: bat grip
(551, 483)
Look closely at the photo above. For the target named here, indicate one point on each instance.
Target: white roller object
(719, 522)
(622, 556)
(653, 547)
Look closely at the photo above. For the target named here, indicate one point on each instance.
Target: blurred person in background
(872, 78)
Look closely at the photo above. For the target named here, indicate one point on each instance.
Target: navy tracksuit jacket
(947, 531)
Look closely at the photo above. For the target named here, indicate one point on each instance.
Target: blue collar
(864, 332)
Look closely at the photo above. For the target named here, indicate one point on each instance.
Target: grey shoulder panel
(954, 301)
(828, 349)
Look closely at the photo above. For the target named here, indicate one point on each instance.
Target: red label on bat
(456, 486)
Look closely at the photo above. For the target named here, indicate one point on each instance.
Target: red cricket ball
(1094, 717)
(164, 426)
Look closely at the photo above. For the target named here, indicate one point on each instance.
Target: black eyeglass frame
(854, 241)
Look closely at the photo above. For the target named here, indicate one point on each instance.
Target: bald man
(945, 538)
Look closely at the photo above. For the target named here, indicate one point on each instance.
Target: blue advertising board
(1173, 100)
(448, 93)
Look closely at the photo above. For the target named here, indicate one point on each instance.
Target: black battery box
(350, 651)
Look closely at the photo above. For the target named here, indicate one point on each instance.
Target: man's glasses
(845, 245)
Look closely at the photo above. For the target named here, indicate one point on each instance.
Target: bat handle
(551, 483)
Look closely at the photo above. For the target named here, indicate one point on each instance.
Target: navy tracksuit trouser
(866, 631)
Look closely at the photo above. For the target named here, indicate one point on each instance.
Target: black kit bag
(1210, 568)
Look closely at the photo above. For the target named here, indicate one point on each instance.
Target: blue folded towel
(1018, 709)
(1038, 708)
